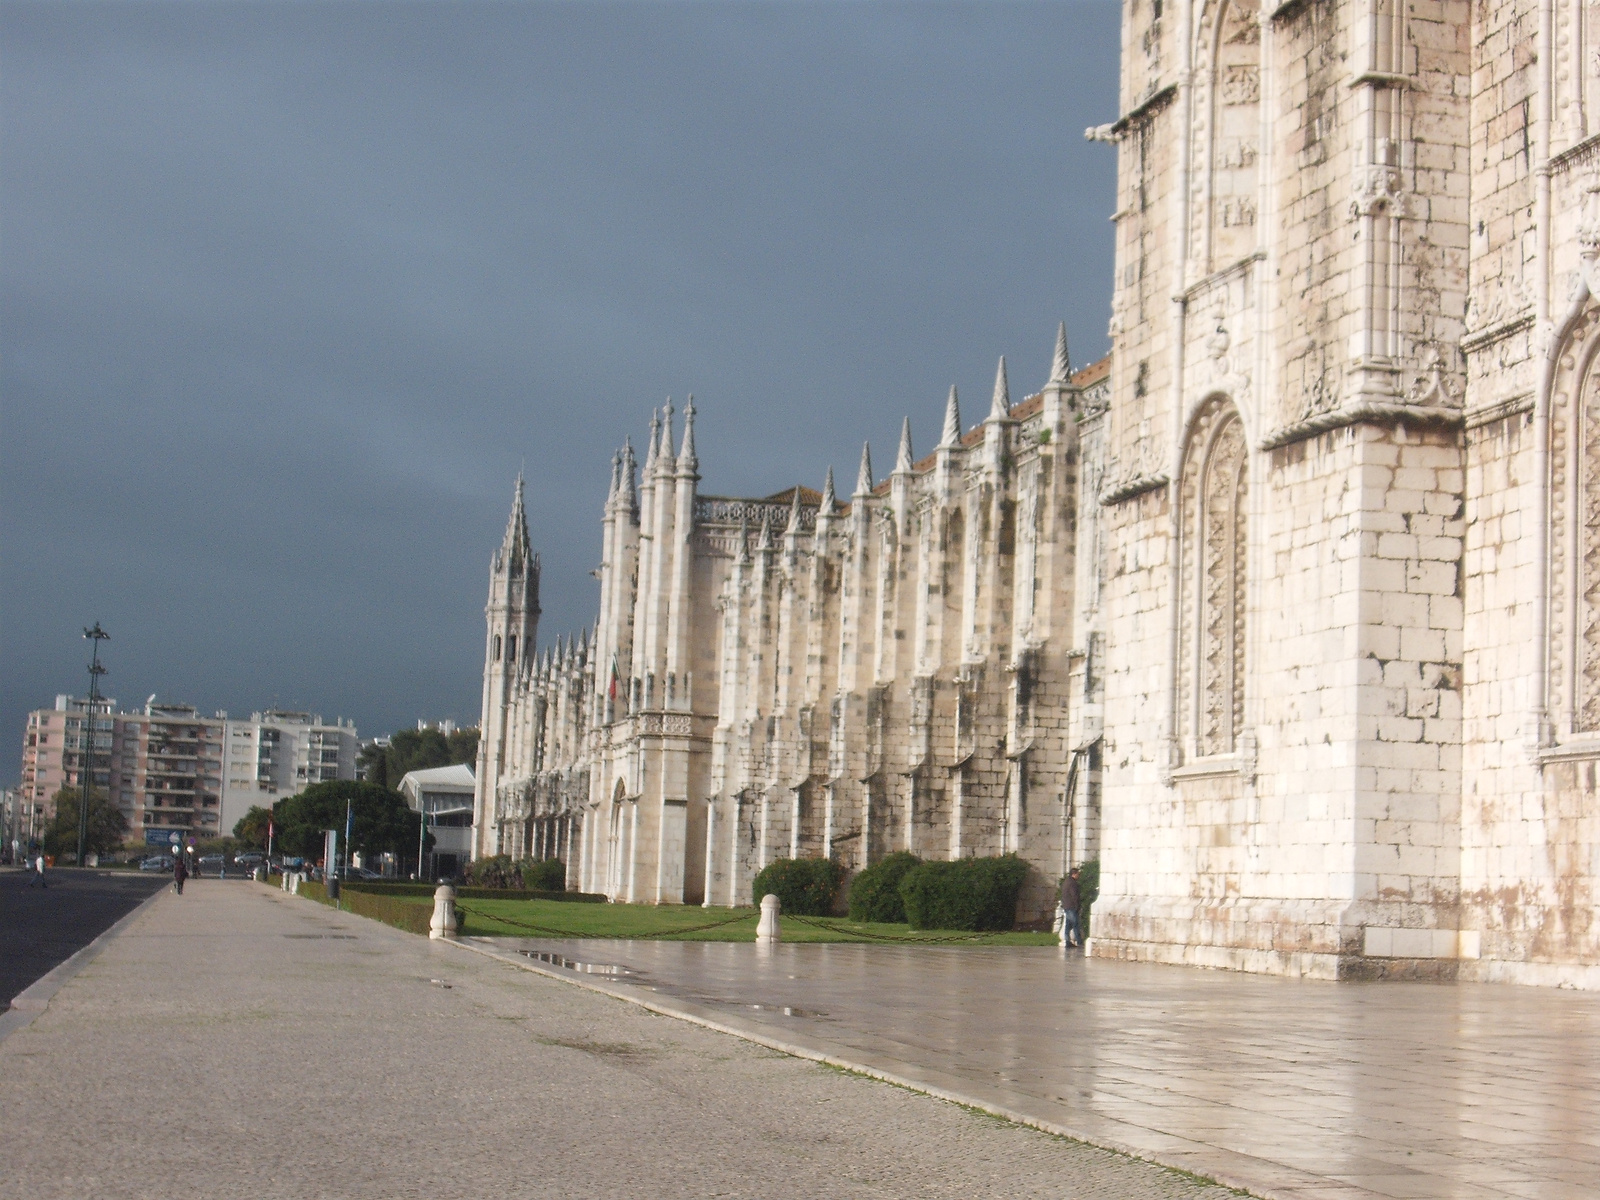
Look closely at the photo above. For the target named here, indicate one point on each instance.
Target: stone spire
(903, 461)
(630, 494)
(688, 464)
(764, 539)
(864, 475)
(1061, 365)
(744, 536)
(829, 500)
(616, 480)
(664, 463)
(515, 549)
(1000, 406)
(793, 528)
(951, 437)
(655, 436)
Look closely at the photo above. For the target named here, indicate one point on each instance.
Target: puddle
(571, 964)
(348, 937)
(786, 1010)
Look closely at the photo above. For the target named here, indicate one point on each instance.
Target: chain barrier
(546, 931)
(813, 922)
(888, 938)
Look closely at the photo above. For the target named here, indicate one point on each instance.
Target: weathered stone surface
(1317, 551)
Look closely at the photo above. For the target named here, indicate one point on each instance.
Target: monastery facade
(1288, 612)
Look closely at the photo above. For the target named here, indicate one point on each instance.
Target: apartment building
(172, 770)
(276, 754)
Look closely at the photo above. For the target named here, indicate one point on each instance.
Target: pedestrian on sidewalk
(38, 872)
(1071, 899)
(179, 874)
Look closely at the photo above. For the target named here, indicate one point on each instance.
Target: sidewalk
(239, 1042)
(1290, 1088)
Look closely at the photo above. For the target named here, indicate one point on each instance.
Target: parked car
(156, 862)
(250, 858)
(358, 874)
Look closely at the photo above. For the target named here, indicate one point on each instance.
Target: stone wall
(1289, 612)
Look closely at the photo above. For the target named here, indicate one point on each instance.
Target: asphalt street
(40, 927)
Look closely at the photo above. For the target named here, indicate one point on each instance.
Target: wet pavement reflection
(1295, 1088)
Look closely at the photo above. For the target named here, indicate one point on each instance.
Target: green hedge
(472, 893)
(875, 893)
(547, 875)
(805, 887)
(391, 910)
(970, 893)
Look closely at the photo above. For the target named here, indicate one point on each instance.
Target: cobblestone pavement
(1291, 1088)
(236, 1041)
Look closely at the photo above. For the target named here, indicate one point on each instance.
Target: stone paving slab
(1291, 1088)
(239, 1042)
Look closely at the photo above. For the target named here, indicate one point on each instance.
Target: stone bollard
(444, 923)
(767, 930)
(258, 875)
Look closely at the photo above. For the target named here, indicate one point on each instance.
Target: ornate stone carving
(1239, 84)
(1431, 385)
(1211, 615)
(1574, 626)
(712, 510)
(1376, 189)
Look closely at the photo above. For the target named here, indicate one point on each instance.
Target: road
(42, 927)
(238, 1041)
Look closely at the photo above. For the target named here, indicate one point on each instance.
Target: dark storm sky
(290, 292)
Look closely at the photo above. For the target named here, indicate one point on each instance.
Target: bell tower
(512, 619)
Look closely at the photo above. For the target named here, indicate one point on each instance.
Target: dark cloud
(292, 290)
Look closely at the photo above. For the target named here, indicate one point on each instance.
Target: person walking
(38, 872)
(179, 874)
(1071, 900)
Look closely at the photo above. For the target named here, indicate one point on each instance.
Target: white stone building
(444, 795)
(1293, 620)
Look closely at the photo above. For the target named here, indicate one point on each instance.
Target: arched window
(511, 649)
(1211, 588)
(1574, 698)
(497, 647)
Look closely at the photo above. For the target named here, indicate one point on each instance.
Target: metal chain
(566, 933)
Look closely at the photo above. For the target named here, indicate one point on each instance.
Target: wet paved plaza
(1291, 1088)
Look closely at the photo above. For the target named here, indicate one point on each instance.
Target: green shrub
(548, 875)
(875, 893)
(499, 871)
(804, 887)
(970, 893)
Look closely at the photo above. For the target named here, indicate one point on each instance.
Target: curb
(35, 998)
(696, 1015)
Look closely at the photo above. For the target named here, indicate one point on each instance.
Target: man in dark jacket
(1071, 898)
(179, 874)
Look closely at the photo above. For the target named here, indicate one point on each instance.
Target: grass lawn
(548, 918)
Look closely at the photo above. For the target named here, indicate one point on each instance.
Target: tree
(380, 819)
(252, 828)
(416, 750)
(107, 826)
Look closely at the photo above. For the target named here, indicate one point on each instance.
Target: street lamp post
(95, 637)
